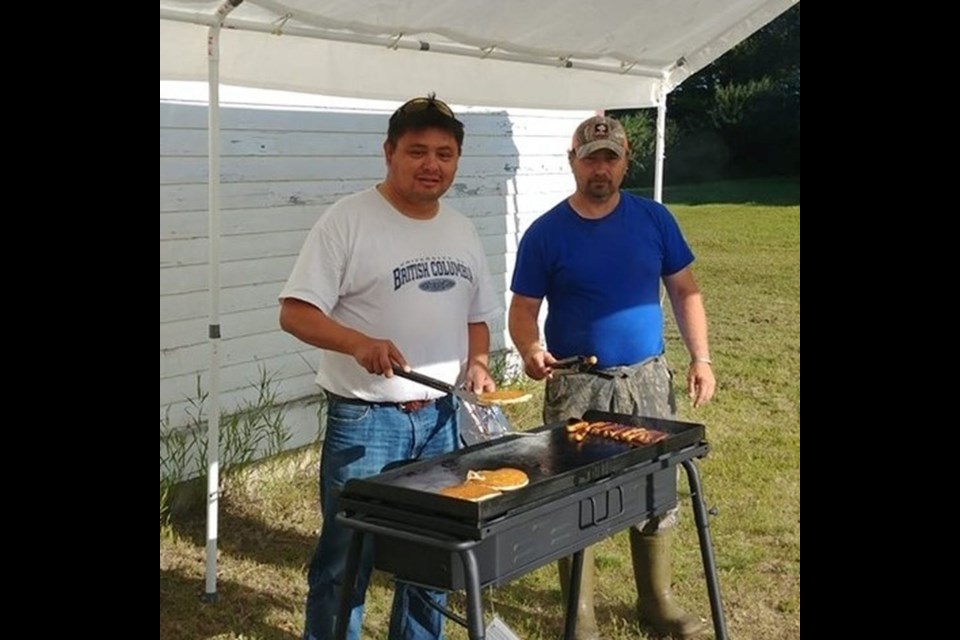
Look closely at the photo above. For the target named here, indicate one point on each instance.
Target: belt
(410, 406)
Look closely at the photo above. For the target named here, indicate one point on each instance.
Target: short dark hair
(424, 113)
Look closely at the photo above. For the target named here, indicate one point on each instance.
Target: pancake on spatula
(503, 396)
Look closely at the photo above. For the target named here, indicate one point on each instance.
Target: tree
(738, 117)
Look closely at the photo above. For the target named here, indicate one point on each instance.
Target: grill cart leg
(349, 584)
(576, 574)
(706, 549)
(471, 573)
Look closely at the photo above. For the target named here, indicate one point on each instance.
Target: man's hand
(700, 383)
(378, 356)
(479, 379)
(536, 363)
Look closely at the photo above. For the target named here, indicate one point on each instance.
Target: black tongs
(463, 394)
(579, 363)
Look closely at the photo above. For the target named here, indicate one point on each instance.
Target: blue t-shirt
(601, 278)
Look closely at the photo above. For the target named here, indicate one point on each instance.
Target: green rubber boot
(653, 573)
(586, 620)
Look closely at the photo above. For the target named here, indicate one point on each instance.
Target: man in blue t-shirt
(598, 259)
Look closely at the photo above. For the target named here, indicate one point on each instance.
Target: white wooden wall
(281, 167)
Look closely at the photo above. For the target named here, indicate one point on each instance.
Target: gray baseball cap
(600, 132)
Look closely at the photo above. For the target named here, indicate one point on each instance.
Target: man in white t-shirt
(390, 276)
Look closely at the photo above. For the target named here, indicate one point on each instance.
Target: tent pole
(213, 329)
(658, 156)
(661, 144)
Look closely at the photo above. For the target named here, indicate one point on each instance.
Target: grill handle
(609, 507)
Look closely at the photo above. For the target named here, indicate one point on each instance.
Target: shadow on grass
(549, 611)
(771, 192)
(527, 610)
(239, 610)
(243, 536)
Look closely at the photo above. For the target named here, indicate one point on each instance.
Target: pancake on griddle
(505, 479)
(473, 491)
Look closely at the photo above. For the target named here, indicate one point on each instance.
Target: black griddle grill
(579, 493)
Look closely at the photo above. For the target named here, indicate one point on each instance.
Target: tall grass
(255, 429)
(748, 265)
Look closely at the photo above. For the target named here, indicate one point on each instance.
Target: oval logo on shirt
(437, 284)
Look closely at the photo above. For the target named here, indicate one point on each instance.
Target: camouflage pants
(643, 389)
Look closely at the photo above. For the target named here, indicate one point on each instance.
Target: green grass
(748, 265)
(769, 191)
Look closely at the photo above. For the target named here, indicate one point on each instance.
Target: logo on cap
(600, 132)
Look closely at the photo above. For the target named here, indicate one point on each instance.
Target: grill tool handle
(425, 380)
(463, 394)
(574, 361)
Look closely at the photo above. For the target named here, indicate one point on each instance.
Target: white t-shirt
(415, 282)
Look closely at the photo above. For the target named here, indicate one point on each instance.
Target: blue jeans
(360, 441)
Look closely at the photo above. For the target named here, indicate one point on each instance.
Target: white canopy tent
(551, 54)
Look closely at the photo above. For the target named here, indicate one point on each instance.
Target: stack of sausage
(578, 431)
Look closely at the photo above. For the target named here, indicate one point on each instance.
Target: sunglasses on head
(422, 104)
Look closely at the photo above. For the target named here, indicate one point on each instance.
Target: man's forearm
(692, 322)
(478, 343)
(309, 324)
(689, 311)
(522, 323)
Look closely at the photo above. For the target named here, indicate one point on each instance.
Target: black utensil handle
(574, 361)
(567, 362)
(424, 380)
